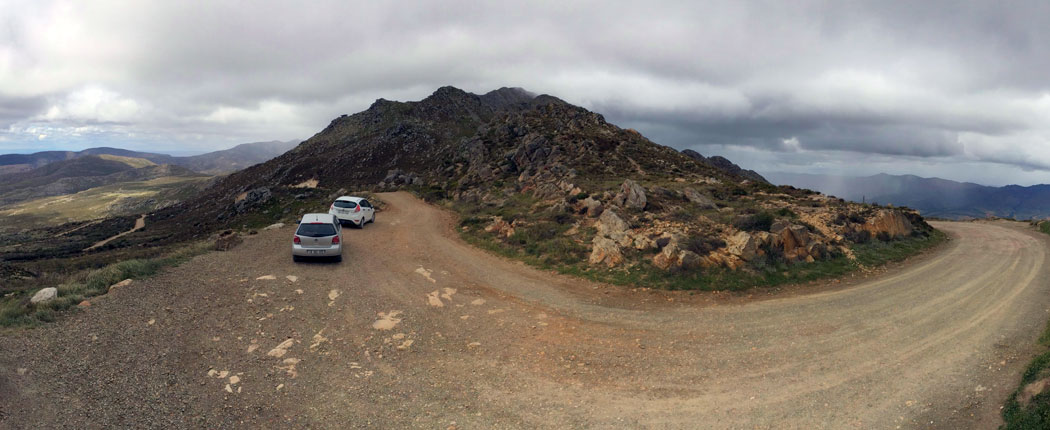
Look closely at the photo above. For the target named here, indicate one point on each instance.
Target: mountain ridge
(215, 162)
(535, 174)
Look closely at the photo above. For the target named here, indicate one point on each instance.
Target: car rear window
(345, 204)
(316, 230)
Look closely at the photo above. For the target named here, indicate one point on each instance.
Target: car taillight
(335, 240)
(357, 209)
(296, 240)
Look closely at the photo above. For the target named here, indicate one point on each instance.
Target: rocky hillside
(547, 178)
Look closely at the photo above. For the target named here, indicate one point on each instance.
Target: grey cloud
(880, 78)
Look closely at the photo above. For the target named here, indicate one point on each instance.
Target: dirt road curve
(418, 330)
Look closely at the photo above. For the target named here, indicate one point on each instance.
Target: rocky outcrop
(889, 222)
(674, 255)
(44, 295)
(793, 240)
(744, 245)
(397, 177)
(252, 198)
(632, 195)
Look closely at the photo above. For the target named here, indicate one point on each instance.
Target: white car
(356, 211)
(318, 235)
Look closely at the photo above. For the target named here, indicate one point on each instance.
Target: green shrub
(761, 221)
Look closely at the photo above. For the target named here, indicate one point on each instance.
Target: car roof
(351, 198)
(312, 218)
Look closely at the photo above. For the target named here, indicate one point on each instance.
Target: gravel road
(416, 329)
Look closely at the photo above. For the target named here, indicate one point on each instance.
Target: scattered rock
(120, 284)
(84, 304)
(274, 226)
(266, 278)
(606, 251)
(500, 227)
(592, 207)
(644, 242)
(44, 295)
(433, 299)
(282, 348)
(387, 320)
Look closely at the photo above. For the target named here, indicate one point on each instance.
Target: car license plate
(314, 252)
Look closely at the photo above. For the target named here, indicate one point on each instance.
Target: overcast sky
(952, 89)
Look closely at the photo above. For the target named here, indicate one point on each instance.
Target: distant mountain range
(933, 197)
(82, 173)
(212, 163)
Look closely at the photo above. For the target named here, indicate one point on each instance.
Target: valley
(124, 198)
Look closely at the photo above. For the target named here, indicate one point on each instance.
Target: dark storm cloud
(959, 82)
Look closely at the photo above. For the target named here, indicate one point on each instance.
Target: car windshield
(316, 230)
(345, 204)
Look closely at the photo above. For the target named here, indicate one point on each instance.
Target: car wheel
(296, 258)
(339, 259)
(373, 218)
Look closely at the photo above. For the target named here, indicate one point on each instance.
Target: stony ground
(415, 329)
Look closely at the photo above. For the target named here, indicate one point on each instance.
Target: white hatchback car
(318, 235)
(353, 210)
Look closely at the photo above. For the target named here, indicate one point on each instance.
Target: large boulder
(611, 225)
(632, 195)
(744, 245)
(890, 222)
(699, 199)
(44, 295)
(793, 241)
(606, 251)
